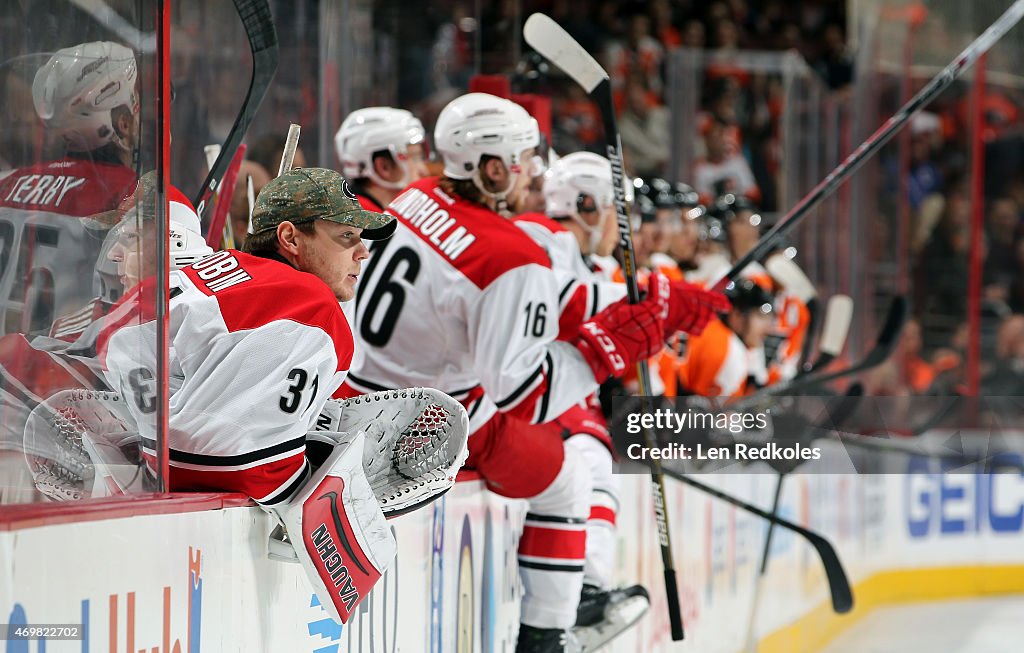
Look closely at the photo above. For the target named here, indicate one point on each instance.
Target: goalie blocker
(341, 537)
(387, 453)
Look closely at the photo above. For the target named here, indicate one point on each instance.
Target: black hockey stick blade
(838, 583)
(885, 343)
(262, 35)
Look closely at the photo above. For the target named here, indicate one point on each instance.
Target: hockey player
(462, 298)
(381, 152)
(579, 222)
(258, 346)
(720, 361)
(88, 95)
(794, 292)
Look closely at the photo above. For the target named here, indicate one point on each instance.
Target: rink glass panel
(78, 255)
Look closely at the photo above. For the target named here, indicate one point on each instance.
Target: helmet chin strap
(392, 185)
(501, 197)
(594, 232)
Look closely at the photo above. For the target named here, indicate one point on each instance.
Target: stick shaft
(851, 163)
(602, 95)
(291, 143)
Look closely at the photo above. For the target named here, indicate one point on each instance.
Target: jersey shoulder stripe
(478, 242)
(541, 220)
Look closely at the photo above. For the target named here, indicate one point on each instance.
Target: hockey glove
(690, 307)
(621, 335)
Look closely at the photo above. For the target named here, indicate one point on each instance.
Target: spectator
(1007, 375)
(1002, 228)
(943, 270)
(721, 172)
(640, 54)
(926, 140)
(663, 25)
(694, 34)
(836, 64)
(918, 374)
(644, 128)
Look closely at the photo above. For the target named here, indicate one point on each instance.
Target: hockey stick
(220, 225)
(851, 163)
(835, 417)
(259, 28)
(549, 39)
(291, 143)
(838, 317)
(886, 342)
(838, 583)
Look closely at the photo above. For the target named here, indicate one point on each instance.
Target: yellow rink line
(814, 630)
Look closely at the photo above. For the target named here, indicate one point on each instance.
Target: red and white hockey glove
(621, 335)
(690, 307)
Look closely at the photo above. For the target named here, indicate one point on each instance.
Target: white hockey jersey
(256, 349)
(462, 300)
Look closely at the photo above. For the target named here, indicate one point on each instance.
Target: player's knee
(596, 457)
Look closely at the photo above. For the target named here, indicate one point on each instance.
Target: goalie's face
(334, 252)
(132, 238)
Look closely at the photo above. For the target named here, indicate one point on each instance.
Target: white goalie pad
(338, 531)
(77, 445)
(415, 442)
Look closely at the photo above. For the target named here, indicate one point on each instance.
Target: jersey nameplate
(42, 189)
(219, 271)
(423, 213)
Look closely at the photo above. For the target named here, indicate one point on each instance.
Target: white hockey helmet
(77, 88)
(579, 173)
(374, 129)
(478, 124)
(571, 178)
(187, 244)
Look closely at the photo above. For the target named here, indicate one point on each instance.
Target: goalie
(258, 346)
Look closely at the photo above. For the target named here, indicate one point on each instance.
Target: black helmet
(688, 200)
(726, 207)
(746, 295)
(645, 209)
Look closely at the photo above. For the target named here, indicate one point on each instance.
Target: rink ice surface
(982, 625)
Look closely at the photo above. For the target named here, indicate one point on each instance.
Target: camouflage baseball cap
(307, 194)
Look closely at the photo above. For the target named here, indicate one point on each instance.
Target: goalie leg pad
(338, 531)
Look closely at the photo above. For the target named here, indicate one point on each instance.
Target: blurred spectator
(663, 24)
(836, 65)
(943, 269)
(639, 54)
(926, 140)
(1002, 227)
(21, 127)
(644, 127)
(720, 171)
(694, 34)
(919, 374)
(577, 121)
(1007, 375)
